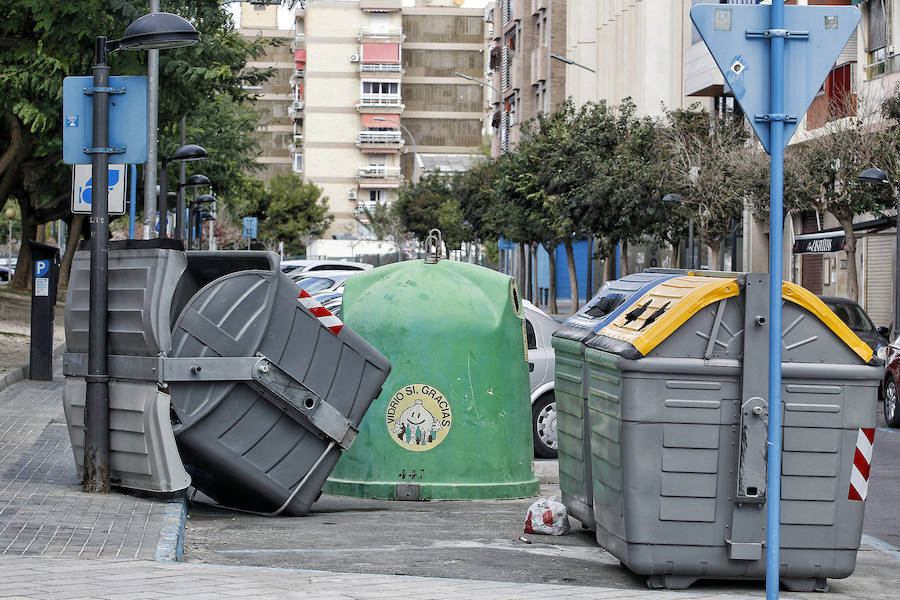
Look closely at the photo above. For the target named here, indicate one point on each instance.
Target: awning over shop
(833, 240)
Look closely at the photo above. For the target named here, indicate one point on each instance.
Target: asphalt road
(883, 504)
(482, 540)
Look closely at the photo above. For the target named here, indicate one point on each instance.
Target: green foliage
(430, 203)
(292, 211)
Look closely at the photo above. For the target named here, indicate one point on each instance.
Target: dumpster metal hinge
(299, 401)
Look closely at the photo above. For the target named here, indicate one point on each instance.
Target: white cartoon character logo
(416, 425)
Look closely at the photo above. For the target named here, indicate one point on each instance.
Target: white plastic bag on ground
(547, 516)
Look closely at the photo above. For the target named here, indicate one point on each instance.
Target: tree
(44, 42)
(834, 159)
(385, 223)
(430, 203)
(707, 154)
(294, 212)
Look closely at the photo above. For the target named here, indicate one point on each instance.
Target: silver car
(539, 328)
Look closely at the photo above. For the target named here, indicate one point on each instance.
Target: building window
(298, 163)
(381, 87)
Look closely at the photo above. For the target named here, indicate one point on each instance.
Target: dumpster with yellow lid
(678, 413)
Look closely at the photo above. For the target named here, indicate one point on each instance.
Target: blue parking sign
(41, 268)
(250, 228)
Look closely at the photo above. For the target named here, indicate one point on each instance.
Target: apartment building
(526, 78)
(274, 96)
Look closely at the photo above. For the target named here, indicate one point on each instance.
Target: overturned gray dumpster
(257, 390)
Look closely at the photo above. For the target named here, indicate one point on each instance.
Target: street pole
(162, 203)
(96, 410)
(691, 243)
(896, 323)
(179, 201)
(776, 220)
(152, 135)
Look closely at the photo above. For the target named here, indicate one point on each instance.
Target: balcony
(537, 6)
(539, 57)
(381, 103)
(299, 42)
(380, 68)
(381, 34)
(381, 141)
(297, 108)
(701, 75)
(380, 5)
(890, 64)
(378, 177)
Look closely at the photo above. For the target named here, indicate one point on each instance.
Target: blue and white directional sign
(41, 268)
(736, 38)
(127, 119)
(82, 186)
(250, 228)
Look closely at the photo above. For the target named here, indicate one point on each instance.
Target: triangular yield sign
(745, 59)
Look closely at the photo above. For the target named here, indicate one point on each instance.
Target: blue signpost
(249, 232)
(748, 45)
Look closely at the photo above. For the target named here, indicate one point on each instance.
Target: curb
(170, 547)
(20, 373)
(547, 471)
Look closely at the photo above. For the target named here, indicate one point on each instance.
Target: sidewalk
(42, 508)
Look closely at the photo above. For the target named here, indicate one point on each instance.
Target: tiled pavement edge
(42, 508)
(50, 578)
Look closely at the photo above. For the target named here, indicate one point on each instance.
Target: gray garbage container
(143, 276)
(571, 386)
(268, 442)
(678, 434)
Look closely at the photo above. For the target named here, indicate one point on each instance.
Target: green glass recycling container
(453, 420)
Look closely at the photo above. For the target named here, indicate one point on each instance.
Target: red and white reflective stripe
(862, 460)
(324, 315)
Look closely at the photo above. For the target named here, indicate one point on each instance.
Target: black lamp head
(196, 180)
(158, 31)
(189, 152)
(873, 175)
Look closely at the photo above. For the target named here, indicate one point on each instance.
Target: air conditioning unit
(354, 58)
(351, 195)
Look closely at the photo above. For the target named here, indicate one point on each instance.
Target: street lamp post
(184, 154)
(198, 204)
(152, 31)
(877, 176)
(194, 181)
(412, 139)
(569, 61)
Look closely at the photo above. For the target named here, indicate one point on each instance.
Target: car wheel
(891, 414)
(543, 419)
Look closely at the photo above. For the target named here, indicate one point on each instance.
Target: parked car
(316, 282)
(856, 319)
(302, 266)
(539, 328)
(5, 275)
(891, 384)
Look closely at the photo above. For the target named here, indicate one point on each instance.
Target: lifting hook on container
(434, 245)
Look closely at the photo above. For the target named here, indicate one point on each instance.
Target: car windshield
(315, 284)
(853, 316)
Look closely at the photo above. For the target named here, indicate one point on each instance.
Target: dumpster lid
(613, 299)
(806, 299)
(666, 307)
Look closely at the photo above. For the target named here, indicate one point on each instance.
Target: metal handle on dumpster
(296, 398)
(434, 244)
